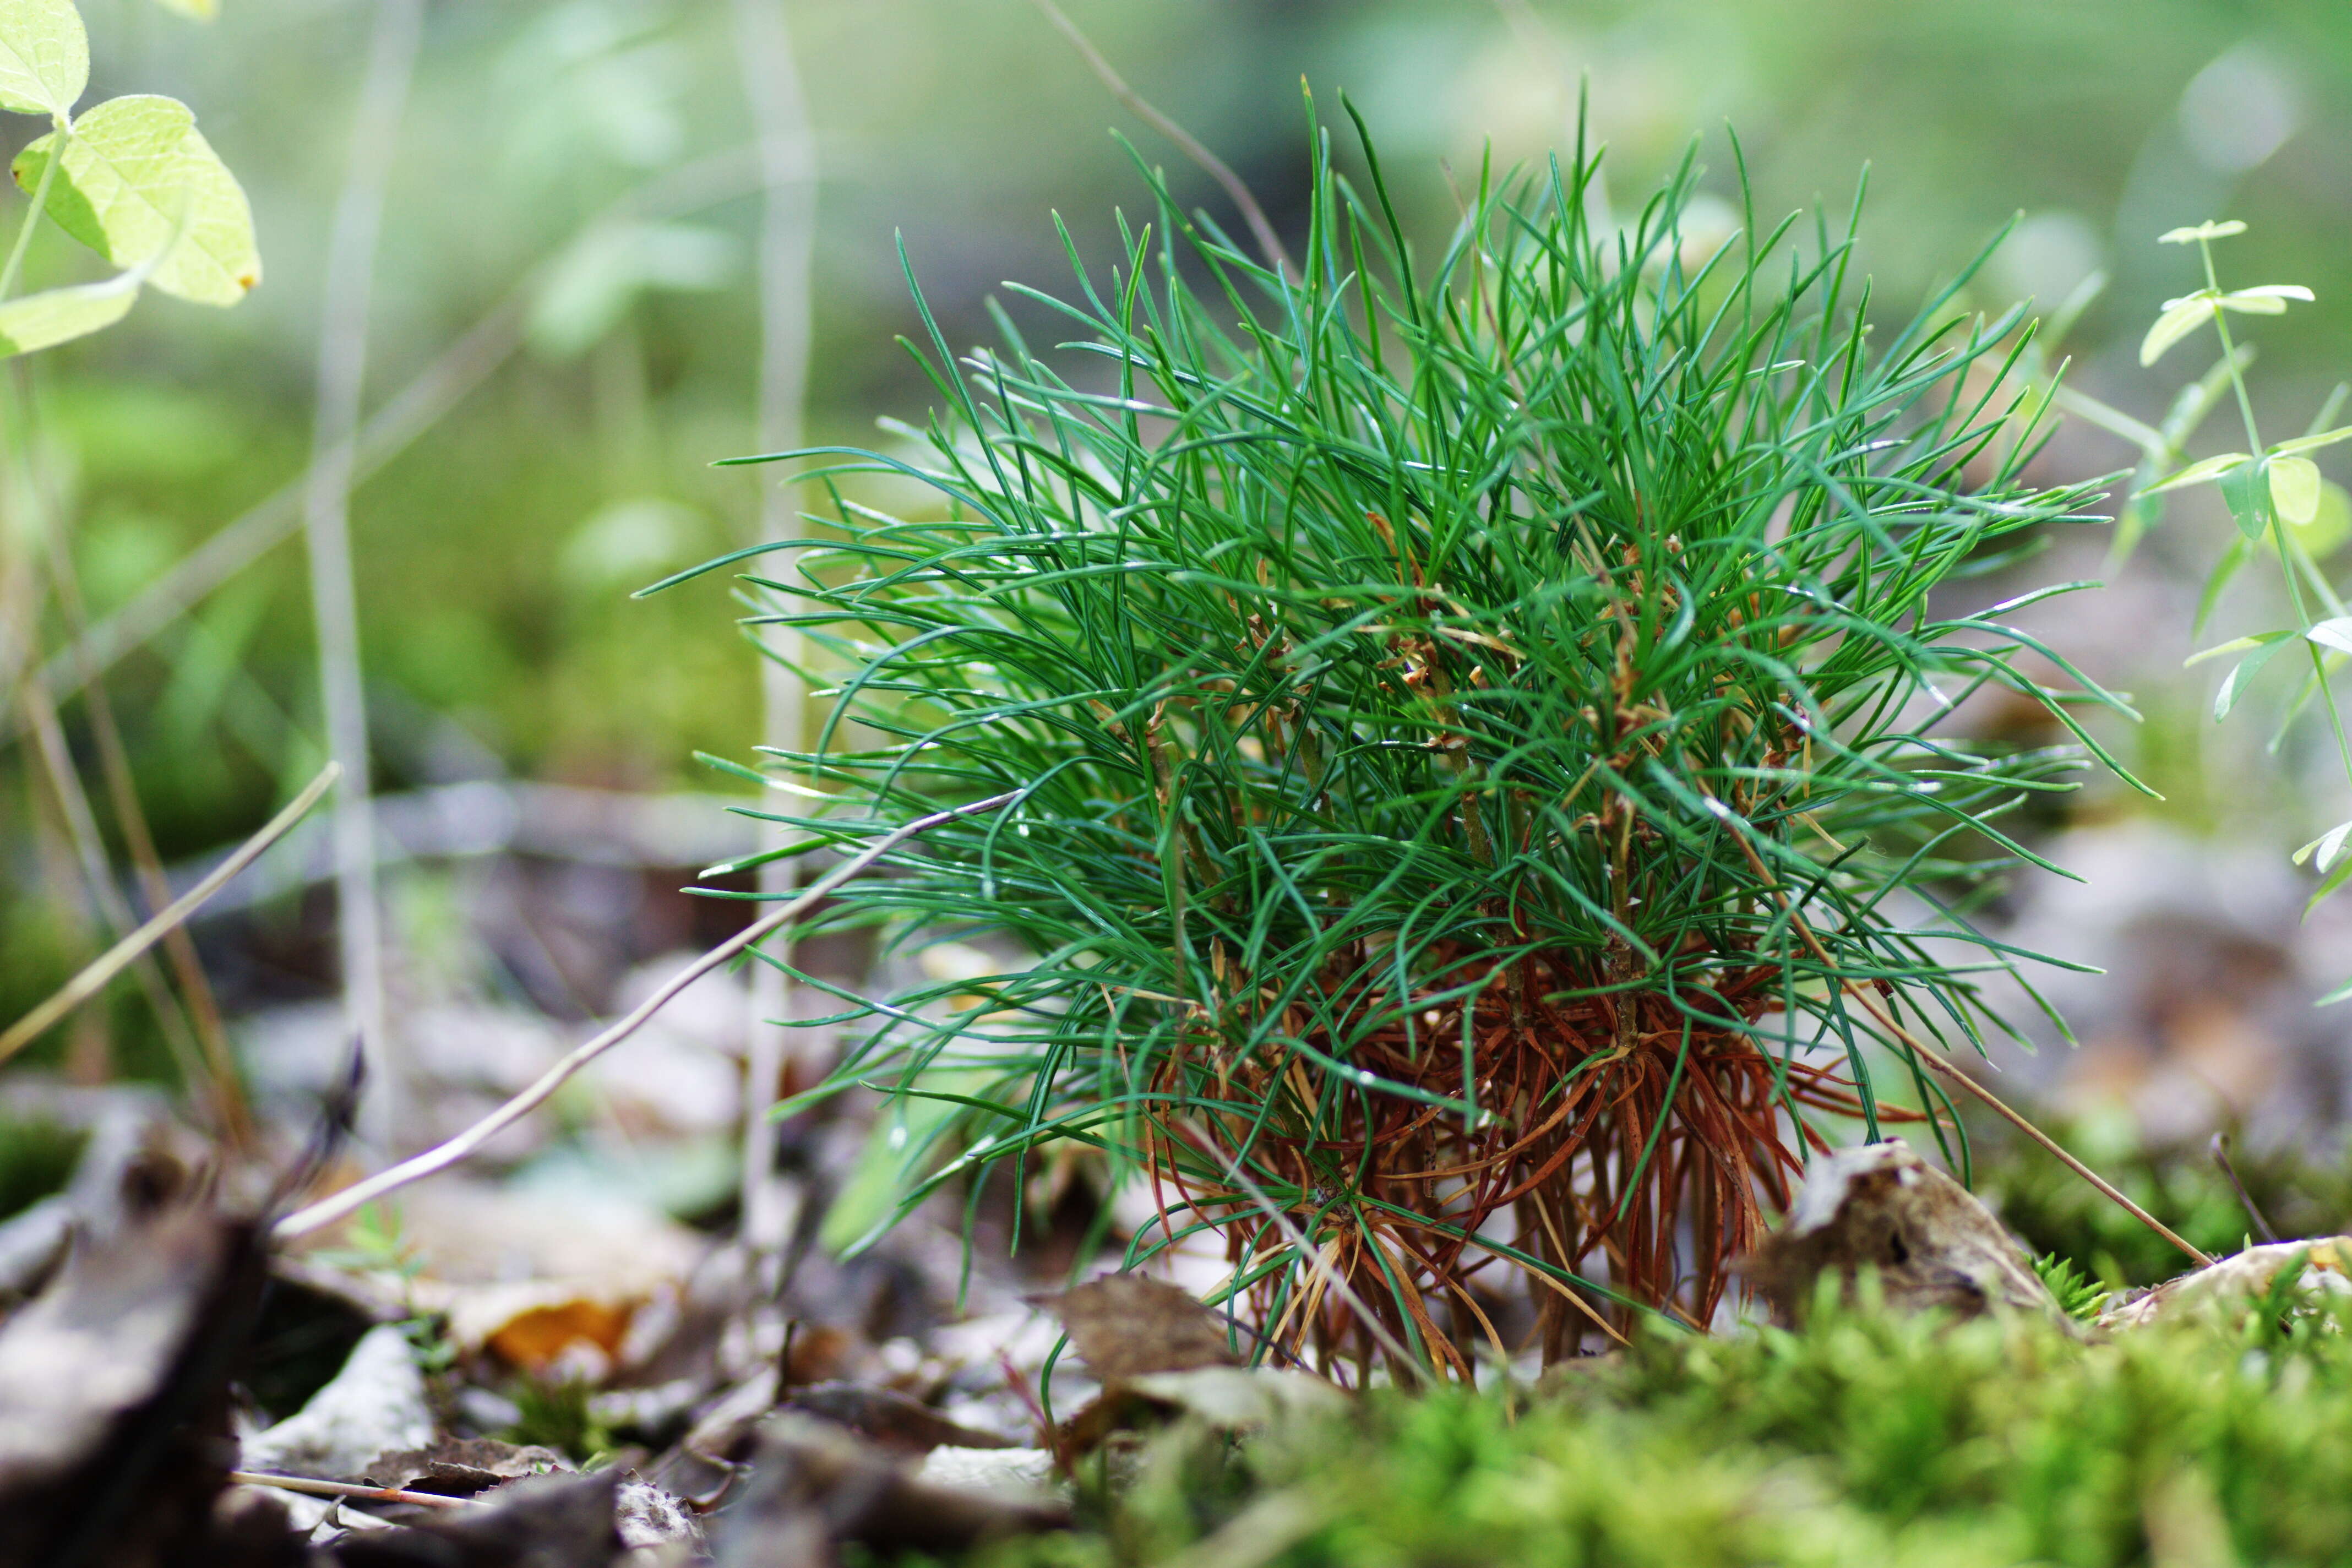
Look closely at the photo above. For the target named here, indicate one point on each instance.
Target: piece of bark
(1929, 1242)
(2240, 1278)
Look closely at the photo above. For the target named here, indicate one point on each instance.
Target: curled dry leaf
(2242, 1277)
(1930, 1241)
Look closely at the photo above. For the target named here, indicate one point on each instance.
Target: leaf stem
(33, 216)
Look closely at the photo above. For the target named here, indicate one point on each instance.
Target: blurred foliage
(2058, 1213)
(1867, 1440)
(37, 1158)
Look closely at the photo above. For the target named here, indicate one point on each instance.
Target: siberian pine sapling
(1479, 725)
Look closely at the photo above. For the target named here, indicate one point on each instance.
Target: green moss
(1867, 1440)
(37, 1158)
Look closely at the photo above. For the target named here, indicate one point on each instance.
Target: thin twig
(787, 149)
(1268, 242)
(1920, 1049)
(1332, 1279)
(353, 1489)
(2220, 1149)
(326, 522)
(442, 1156)
(93, 978)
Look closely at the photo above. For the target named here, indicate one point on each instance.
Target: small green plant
(374, 1243)
(2079, 1296)
(2280, 501)
(1476, 722)
(132, 178)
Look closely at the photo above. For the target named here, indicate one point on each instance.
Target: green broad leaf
(135, 175)
(44, 57)
(2333, 634)
(60, 315)
(2328, 845)
(2247, 490)
(2199, 473)
(2294, 489)
(2264, 299)
(2242, 676)
(2181, 318)
(2195, 232)
(2312, 443)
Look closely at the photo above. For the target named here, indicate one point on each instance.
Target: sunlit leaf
(2336, 634)
(2328, 845)
(2233, 687)
(2199, 473)
(2294, 489)
(136, 172)
(60, 315)
(2312, 443)
(2247, 490)
(2195, 232)
(43, 56)
(2181, 318)
(2341, 994)
(2334, 880)
(2266, 298)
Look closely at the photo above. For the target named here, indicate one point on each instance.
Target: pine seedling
(1482, 725)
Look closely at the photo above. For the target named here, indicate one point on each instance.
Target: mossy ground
(1868, 1439)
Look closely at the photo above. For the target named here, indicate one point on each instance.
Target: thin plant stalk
(326, 514)
(786, 145)
(93, 978)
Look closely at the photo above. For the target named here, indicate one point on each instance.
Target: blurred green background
(495, 553)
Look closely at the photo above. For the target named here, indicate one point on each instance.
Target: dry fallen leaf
(1126, 1326)
(1930, 1241)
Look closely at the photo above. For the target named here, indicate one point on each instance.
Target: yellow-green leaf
(43, 56)
(2181, 318)
(195, 10)
(59, 315)
(2312, 443)
(2199, 473)
(135, 173)
(2294, 489)
(2195, 232)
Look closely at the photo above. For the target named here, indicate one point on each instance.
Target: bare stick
(93, 979)
(310, 1487)
(1333, 1280)
(1934, 1059)
(442, 1156)
(1268, 242)
(787, 149)
(326, 523)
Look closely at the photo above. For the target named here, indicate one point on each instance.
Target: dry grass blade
(93, 978)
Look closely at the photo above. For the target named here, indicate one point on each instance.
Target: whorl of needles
(1436, 685)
